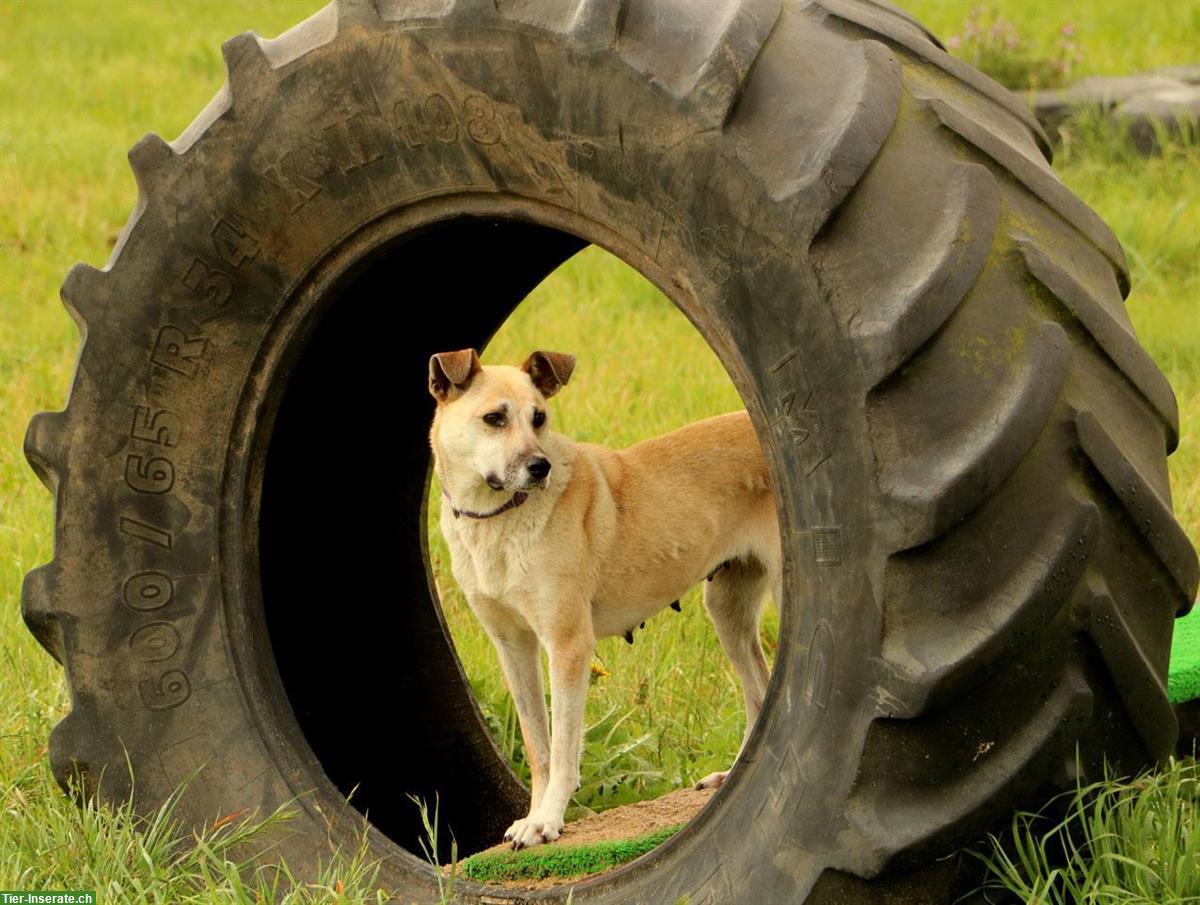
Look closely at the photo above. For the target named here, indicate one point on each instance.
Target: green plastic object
(1183, 682)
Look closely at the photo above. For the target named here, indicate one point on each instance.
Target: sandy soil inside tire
(628, 821)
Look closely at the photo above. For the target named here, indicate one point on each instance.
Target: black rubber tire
(968, 443)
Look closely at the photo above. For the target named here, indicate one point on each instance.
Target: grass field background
(81, 82)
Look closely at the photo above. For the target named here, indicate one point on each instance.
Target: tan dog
(557, 543)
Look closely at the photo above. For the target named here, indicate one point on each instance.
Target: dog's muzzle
(538, 469)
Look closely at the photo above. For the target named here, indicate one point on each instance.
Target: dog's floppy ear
(549, 371)
(452, 372)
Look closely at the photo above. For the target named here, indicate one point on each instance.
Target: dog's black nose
(539, 468)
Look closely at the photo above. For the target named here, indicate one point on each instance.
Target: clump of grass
(994, 44)
(50, 842)
(1120, 842)
(429, 848)
(561, 861)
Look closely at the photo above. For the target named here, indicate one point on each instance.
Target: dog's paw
(533, 830)
(712, 780)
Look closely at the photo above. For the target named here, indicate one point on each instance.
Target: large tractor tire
(968, 444)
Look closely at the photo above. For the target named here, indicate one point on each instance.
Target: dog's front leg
(570, 663)
(521, 662)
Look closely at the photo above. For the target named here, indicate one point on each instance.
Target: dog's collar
(517, 499)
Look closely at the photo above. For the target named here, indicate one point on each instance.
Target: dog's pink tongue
(519, 497)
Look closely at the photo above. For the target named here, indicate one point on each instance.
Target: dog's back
(660, 516)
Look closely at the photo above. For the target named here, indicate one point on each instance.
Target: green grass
(81, 82)
(1112, 37)
(561, 860)
(46, 842)
(1116, 842)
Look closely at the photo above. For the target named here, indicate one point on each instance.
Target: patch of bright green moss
(560, 861)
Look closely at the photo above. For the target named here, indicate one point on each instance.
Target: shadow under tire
(967, 442)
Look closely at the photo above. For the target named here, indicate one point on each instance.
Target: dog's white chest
(488, 561)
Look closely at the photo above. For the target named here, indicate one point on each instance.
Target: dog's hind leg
(734, 601)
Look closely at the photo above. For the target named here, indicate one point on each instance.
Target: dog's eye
(494, 419)
(539, 418)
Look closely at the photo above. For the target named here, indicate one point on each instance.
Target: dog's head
(493, 419)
